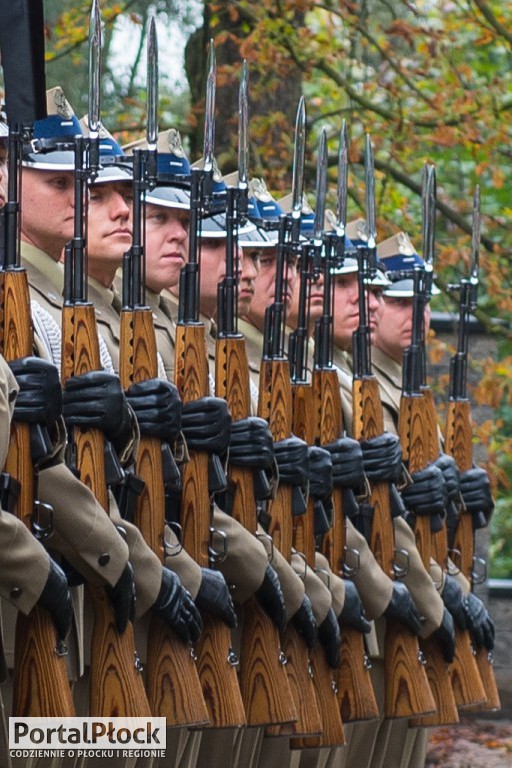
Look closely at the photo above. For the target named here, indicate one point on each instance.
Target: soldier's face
(264, 286)
(110, 228)
(3, 172)
(213, 271)
(250, 267)
(394, 330)
(166, 245)
(346, 309)
(47, 209)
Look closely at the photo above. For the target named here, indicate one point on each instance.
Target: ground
(472, 744)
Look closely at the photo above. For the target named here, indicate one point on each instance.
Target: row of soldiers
(83, 544)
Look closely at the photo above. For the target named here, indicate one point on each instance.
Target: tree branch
(493, 21)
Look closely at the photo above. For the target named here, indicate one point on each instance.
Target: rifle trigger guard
(324, 574)
(41, 521)
(217, 555)
(171, 550)
(454, 561)
(479, 576)
(349, 571)
(401, 571)
(262, 536)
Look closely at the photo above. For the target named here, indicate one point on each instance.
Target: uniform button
(16, 592)
(104, 559)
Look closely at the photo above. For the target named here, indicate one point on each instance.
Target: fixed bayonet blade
(94, 68)
(430, 213)
(152, 87)
(369, 173)
(475, 238)
(243, 127)
(209, 116)
(321, 186)
(341, 202)
(298, 157)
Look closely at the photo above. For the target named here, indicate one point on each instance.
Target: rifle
(263, 680)
(116, 686)
(40, 681)
(420, 446)
(216, 659)
(275, 405)
(355, 690)
(172, 680)
(458, 437)
(303, 426)
(407, 692)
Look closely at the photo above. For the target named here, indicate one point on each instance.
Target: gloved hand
(214, 598)
(347, 462)
(445, 635)
(206, 424)
(476, 494)
(427, 494)
(56, 599)
(270, 596)
(480, 623)
(401, 608)
(451, 475)
(382, 458)
(39, 400)
(305, 623)
(122, 598)
(175, 606)
(251, 443)
(96, 400)
(453, 599)
(292, 460)
(352, 614)
(330, 638)
(157, 406)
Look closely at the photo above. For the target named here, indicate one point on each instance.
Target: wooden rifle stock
(275, 405)
(407, 693)
(172, 679)
(217, 671)
(304, 542)
(355, 690)
(263, 679)
(116, 687)
(40, 681)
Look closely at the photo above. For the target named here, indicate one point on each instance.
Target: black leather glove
(330, 638)
(206, 424)
(292, 460)
(476, 493)
(382, 458)
(96, 400)
(122, 598)
(305, 623)
(445, 636)
(347, 462)
(214, 597)
(480, 623)
(451, 475)
(401, 608)
(251, 443)
(56, 599)
(157, 406)
(427, 493)
(453, 599)
(39, 400)
(270, 596)
(175, 606)
(353, 614)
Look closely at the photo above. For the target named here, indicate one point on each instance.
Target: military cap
(51, 147)
(307, 215)
(259, 236)
(356, 236)
(356, 231)
(219, 188)
(114, 164)
(216, 227)
(400, 260)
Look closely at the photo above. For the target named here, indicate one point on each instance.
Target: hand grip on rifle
(96, 400)
(401, 607)
(347, 463)
(122, 598)
(56, 599)
(451, 475)
(39, 399)
(214, 597)
(454, 601)
(271, 598)
(480, 623)
(382, 458)
(426, 495)
(304, 622)
(445, 635)
(206, 424)
(251, 443)
(157, 406)
(175, 606)
(352, 614)
(475, 488)
(329, 636)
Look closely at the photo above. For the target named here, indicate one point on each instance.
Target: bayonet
(475, 248)
(321, 187)
(93, 115)
(298, 158)
(152, 87)
(369, 171)
(209, 116)
(243, 123)
(341, 207)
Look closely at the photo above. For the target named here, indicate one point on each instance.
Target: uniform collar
(52, 270)
(389, 367)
